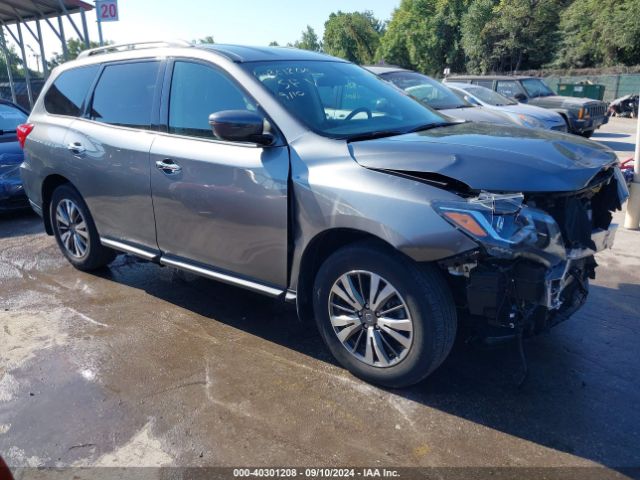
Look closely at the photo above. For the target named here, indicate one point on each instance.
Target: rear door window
(124, 94)
(67, 93)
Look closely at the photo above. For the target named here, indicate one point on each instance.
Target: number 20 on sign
(107, 10)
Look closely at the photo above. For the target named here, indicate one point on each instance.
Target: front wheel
(385, 318)
(76, 232)
(586, 134)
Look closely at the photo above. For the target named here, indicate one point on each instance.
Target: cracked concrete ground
(140, 365)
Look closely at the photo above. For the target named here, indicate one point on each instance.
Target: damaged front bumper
(536, 253)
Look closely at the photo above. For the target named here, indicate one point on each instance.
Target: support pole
(7, 58)
(63, 40)
(632, 219)
(87, 42)
(100, 31)
(45, 67)
(27, 76)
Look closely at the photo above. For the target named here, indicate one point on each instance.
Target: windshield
(427, 90)
(489, 96)
(10, 118)
(536, 88)
(341, 100)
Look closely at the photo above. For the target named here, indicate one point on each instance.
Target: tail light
(22, 132)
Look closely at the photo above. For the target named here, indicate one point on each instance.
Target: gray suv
(307, 178)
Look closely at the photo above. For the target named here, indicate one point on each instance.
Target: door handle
(168, 166)
(76, 148)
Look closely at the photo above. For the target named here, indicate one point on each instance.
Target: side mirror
(520, 97)
(241, 126)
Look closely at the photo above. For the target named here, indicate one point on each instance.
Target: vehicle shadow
(598, 135)
(618, 146)
(581, 396)
(19, 223)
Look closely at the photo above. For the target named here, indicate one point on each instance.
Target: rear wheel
(75, 231)
(385, 318)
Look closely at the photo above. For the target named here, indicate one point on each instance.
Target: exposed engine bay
(537, 251)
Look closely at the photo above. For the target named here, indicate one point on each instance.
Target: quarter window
(67, 94)
(197, 91)
(484, 83)
(124, 94)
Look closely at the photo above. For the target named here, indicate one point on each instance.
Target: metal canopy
(14, 11)
(15, 14)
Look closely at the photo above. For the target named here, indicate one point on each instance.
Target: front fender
(340, 194)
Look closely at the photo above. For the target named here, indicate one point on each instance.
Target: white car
(525, 115)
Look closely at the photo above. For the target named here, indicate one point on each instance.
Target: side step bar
(287, 295)
(124, 247)
(223, 277)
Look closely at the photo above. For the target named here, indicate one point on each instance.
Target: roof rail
(121, 47)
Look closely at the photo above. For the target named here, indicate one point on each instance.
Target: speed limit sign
(107, 10)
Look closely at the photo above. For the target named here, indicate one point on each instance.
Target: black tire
(96, 255)
(586, 134)
(425, 293)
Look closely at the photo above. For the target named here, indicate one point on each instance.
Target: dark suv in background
(583, 115)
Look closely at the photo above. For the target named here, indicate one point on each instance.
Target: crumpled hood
(491, 157)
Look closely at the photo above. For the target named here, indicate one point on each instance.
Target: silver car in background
(525, 115)
(435, 95)
(306, 178)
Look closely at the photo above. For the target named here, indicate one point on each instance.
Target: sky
(240, 21)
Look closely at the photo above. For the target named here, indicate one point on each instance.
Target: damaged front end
(536, 252)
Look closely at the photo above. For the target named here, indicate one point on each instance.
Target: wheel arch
(49, 184)
(316, 252)
(566, 117)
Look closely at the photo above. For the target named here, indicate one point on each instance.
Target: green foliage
(207, 39)
(15, 61)
(425, 35)
(526, 33)
(309, 41)
(478, 36)
(354, 36)
(74, 47)
(481, 36)
(600, 33)
(274, 44)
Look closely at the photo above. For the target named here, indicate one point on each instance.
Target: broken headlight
(506, 227)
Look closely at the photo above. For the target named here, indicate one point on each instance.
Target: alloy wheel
(370, 318)
(72, 228)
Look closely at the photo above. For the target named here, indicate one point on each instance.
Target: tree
(425, 35)
(17, 68)
(207, 39)
(74, 47)
(599, 33)
(309, 41)
(353, 36)
(509, 35)
(526, 31)
(274, 44)
(477, 36)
